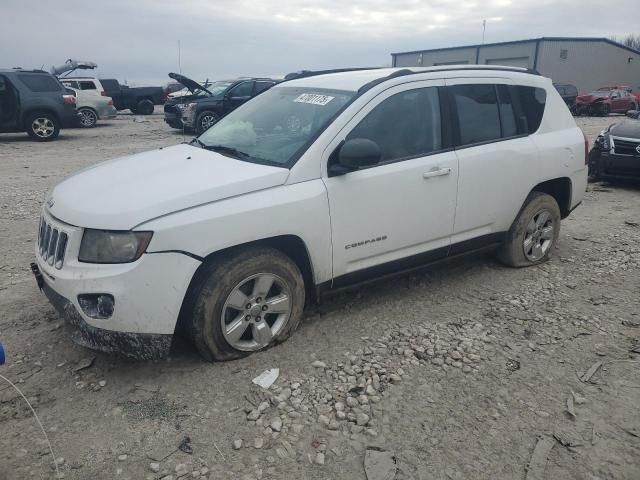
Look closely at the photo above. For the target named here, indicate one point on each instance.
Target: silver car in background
(93, 107)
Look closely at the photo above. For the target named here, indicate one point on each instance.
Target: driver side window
(405, 125)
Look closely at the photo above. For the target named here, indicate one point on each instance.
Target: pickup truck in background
(140, 100)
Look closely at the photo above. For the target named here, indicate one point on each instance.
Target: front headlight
(103, 246)
(189, 109)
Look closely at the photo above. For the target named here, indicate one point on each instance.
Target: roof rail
(408, 71)
(313, 73)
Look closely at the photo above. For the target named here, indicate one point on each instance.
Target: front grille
(625, 147)
(52, 244)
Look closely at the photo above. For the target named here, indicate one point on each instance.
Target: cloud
(138, 40)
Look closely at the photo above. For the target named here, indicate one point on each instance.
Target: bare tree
(631, 40)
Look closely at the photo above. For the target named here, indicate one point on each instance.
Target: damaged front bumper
(140, 346)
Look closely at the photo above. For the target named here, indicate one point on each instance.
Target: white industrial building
(587, 63)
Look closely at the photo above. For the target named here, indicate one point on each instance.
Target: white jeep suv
(319, 183)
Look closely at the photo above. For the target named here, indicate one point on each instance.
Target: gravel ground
(459, 371)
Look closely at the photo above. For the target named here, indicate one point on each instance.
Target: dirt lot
(459, 371)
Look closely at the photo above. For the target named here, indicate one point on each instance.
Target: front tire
(205, 120)
(43, 126)
(534, 233)
(244, 303)
(88, 118)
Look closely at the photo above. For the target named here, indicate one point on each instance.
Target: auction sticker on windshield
(314, 99)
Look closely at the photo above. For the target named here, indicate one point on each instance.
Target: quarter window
(478, 115)
(404, 125)
(87, 86)
(532, 101)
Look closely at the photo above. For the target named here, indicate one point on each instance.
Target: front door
(400, 212)
(239, 94)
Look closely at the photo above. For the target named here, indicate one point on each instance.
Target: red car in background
(606, 100)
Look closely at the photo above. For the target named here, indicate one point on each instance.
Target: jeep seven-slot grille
(52, 244)
(625, 147)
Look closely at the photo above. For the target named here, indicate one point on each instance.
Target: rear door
(497, 159)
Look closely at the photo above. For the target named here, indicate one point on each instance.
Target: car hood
(626, 128)
(187, 82)
(123, 193)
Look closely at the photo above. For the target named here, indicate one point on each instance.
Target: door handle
(438, 172)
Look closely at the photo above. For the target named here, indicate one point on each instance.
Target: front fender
(300, 210)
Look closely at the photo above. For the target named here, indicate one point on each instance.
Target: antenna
(484, 29)
(179, 60)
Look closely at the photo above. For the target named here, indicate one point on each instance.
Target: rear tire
(534, 233)
(42, 126)
(145, 107)
(606, 110)
(230, 314)
(88, 118)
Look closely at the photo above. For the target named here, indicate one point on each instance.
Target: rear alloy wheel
(205, 120)
(245, 303)
(534, 233)
(43, 127)
(88, 118)
(145, 107)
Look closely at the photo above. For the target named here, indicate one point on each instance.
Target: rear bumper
(141, 346)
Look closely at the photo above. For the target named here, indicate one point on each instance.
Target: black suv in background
(569, 94)
(177, 101)
(36, 102)
(204, 112)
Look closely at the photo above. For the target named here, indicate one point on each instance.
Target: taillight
(69, 99)
(103, 93)
(110, 103)
(586, 149)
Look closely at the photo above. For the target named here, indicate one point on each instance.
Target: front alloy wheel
(256, 311)
(244, 302)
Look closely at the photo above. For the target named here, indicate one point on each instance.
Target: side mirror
(355, 154)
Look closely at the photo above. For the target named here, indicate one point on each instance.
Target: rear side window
(87, 85)
(70, 83)
(478, 114)
(405, 125)
(40, 83)
(532, 102)
(242, 90)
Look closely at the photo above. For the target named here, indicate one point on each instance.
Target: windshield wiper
(197, 142)
(233, 152)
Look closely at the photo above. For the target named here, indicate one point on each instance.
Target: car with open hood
(616, 151)
(177, 100)
(201, 113)
(317, 184)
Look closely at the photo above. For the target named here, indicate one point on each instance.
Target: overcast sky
(137, 40)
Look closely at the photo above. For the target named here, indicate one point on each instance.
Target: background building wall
(588, 64)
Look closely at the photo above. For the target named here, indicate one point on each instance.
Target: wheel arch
(290, 245)
(561, 189)
(31, 111)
